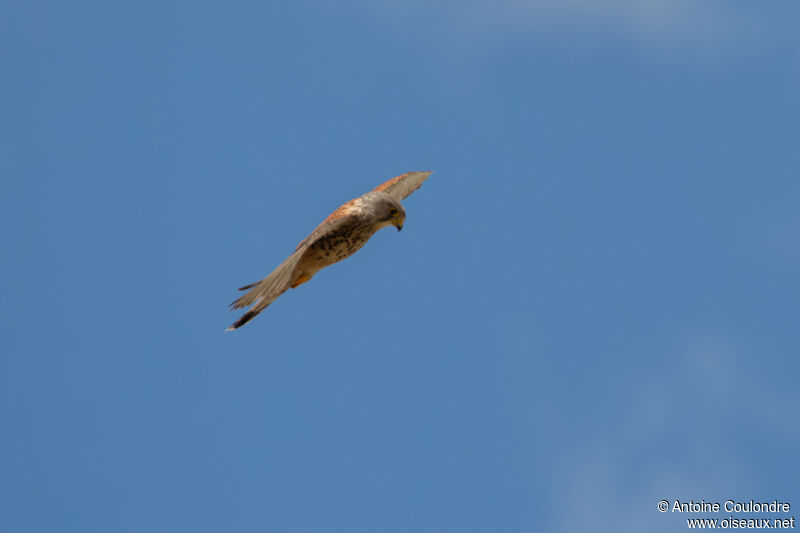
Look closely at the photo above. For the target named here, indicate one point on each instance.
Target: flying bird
(339, 236)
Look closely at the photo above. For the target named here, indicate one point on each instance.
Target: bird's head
(387, 211)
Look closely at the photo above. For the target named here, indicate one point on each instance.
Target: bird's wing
(266, 291)
(332, 222)
(403, 185)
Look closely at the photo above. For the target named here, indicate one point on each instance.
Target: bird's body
(339, 236)
(339, 244)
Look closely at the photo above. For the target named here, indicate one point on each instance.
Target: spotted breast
(338, 245)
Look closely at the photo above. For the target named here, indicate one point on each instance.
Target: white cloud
(617, 478)
(660, 23)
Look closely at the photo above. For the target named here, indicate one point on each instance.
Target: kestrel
(339, 236)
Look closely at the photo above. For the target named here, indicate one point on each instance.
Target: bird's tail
(245, 318)
(264, 292)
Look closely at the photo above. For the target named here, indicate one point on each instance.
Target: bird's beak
(398, 223)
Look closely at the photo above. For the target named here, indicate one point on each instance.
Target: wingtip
(426, 172)
(231, 328)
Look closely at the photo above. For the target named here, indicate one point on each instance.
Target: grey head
(384, 210)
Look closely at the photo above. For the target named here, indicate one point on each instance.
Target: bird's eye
(393, 211)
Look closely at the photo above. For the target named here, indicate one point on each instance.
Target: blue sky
(593, 305)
